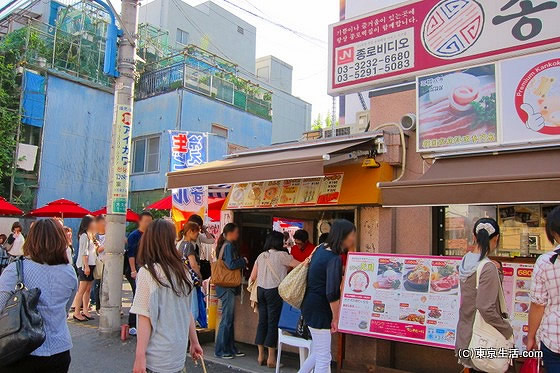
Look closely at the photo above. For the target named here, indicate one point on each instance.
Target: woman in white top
(85, 264)
(269, 270)
(162, 304)
(14, 243)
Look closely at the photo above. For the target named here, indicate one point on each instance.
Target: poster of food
(330, 189)
(289, 192)
(308, 191)
(517, 284)
(530, 93)
(253, 195)
(271, 193)
(237, 196)
(457, 109)
(404, 298)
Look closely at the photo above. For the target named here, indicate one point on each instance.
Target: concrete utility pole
(119, 167)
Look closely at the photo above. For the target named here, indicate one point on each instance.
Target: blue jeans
(551, 360)
(225, 344)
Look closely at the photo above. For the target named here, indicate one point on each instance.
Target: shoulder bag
(98, 270)
(223, 276)
(21, 324)
(293, 286)
(485, 336)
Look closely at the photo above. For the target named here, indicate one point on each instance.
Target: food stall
(310, 182)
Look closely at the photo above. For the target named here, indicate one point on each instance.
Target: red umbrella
(214, 206)
(63, 208)
(131, 216)
(7, 208)
(162, 204)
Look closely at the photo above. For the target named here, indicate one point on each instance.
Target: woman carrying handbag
(47, 269)
(482, 312)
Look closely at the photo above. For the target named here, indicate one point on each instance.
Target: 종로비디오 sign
(428, 36)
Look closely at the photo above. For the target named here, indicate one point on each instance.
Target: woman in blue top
(225, 345)
(322, 297)
(46, 267)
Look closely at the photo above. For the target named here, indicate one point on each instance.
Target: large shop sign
(430, 35)
(515, 103)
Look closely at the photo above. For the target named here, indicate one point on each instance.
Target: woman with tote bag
(482, 308)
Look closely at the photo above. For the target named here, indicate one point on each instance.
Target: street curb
(222, 362)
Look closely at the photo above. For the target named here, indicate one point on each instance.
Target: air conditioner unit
(362, 120)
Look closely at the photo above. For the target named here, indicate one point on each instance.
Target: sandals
(79, 320)
(89, 318)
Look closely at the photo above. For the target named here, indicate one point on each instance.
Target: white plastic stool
(304, 346)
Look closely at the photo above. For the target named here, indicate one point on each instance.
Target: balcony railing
(181, 75)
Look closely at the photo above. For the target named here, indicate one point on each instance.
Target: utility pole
(119, 167)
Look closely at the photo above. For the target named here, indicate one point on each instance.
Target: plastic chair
(288, 323)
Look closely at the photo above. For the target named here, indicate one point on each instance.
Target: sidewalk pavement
(96, 353)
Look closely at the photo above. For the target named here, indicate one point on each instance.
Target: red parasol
(63, 208)
(214, 206)
(162, 204)
(7, 208)
(131, 216)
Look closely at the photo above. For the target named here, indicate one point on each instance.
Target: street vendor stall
(310, 183)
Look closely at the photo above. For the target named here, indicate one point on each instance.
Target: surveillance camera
(408, 122)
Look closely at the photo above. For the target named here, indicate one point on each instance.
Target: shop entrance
(256, 225)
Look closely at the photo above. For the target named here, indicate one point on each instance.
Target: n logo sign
(345, 55)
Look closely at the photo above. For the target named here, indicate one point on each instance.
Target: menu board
(403, 298)
(516, 284)
(284, 193)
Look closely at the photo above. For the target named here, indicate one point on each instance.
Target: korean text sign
(118, 195)
(434, 35)
(403, 298)
(188, 149)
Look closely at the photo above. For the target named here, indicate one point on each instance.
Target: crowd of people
(166, 273)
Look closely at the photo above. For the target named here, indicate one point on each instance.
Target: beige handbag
(486, 337)
(98, 270)
(293, 286)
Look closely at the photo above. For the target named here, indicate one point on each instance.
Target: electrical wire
(300, 34)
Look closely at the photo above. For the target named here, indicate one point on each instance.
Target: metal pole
(119, 166)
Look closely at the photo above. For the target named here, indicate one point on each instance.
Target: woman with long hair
(270, 268)
(162, 304)
(485, 298)
(86, 265)
(321, 304)
(46, 266)
(226, 249)
(545, 299)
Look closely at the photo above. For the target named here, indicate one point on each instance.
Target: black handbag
(21, 324)
(302, 330)
(205, 269)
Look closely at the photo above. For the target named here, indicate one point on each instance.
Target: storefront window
(522, 227)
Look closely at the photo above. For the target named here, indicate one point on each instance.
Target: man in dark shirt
(303, 248)
(130, 259)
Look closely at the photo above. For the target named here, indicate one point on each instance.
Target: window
(182, 37)
(240, 30)
(522, 228)
(145, 155)
(219, 130)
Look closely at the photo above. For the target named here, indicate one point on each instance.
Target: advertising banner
(457, 109)
(432, 35)
(530, 99)
(516, 284)
(404, 298)
(287, 193)
(188, 149)
(118, 196)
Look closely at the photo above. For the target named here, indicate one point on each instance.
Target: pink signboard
(405, 298)
(428, 36)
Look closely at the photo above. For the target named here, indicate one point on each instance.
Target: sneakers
(227, 357)
(239, 354)
(132, 331)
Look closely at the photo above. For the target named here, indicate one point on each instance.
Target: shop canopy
(503, 178)
(286, 161)
(7, 208)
